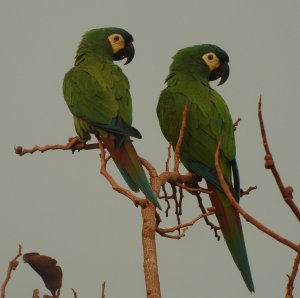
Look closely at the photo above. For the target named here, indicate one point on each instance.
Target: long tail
(230, 224)
(128, 163)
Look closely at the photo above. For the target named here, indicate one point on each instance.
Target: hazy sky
(58, 204)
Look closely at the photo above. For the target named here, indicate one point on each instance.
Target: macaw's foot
(75, 143)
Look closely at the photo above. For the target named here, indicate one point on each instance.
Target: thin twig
(247, 191)
(103, 290)
(168, 157)
(166, 231)
(35, 293)
(180, 138)
(74, 293)
(192, 190)
(236, 123)
(248, 217)
(166, 197)
(177, 207)
(290, 284)
(206, 219)
(13, 264)
(287, 192)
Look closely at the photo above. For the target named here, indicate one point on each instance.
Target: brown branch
(166, 197)
(287, 192)
(115, 186)
(13, 264)
(164, 232)
(149, 249)
(192, 190)
(74, 293)
(206, 219)
(290, 284)
(248, 217)
(168, 157)
(149, 166)
(247, 191)
(103, 290)
(236, 123)
(74, 144)
(180, 138)
(35, 293)
(180, 235)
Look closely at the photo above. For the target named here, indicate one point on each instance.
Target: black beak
(221, 72)
(127, 52)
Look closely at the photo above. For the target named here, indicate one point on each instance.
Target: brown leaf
(47, 269)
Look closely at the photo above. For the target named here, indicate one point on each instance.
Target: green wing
(101, 99)
(208, 121)
(87, 99)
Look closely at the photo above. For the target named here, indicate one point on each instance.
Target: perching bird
(208, 121)
(97, 93)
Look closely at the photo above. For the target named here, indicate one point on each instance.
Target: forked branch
(166, 232)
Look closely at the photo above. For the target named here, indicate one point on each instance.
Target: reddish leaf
(47, 269)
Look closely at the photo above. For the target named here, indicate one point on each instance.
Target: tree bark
(149, 249)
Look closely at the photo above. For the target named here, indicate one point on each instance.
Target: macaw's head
(209, 61)
(108, 43)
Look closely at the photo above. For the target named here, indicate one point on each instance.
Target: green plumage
(208, 121)
(97, 93)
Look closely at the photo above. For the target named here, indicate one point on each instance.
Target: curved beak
(221, 72)
(127, 52)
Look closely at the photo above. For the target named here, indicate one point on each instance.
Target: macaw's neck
(190, 70)
(86, 54)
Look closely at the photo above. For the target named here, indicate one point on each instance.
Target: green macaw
(97, 93)
(208, 121)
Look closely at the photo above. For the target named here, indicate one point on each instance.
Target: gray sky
(59, 205)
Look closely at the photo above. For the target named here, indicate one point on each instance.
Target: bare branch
(103, 290)
(180, 138)
(74, 144)
(206, 219)
(35, 293)
(248, 217)
(115, 186)
(164, 232)
(287, 192)
(247, 191)
(168, 157)
(236, 123)
(150, 168)
(290, 284)
(149, 249)
(192, 190)
(13, 264)
(74, 293)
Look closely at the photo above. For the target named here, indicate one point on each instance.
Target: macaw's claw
(75, 143)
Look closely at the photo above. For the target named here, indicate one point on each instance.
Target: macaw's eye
(210, 57)
(116, 38)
